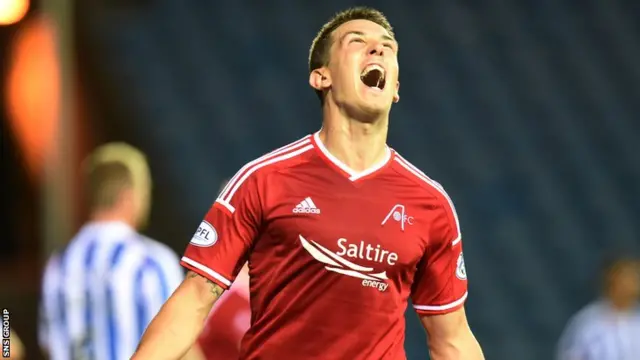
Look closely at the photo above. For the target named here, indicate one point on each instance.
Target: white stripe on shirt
(102, 291)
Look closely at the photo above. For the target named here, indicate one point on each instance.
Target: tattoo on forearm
(215, 289)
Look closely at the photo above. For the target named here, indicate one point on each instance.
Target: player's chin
(372, 110)
(376, 101)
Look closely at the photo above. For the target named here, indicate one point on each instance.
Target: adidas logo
(306, 206)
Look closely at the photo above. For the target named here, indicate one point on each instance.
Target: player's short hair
(613, 264)
(321, 45)
(110, 168)
(106, 183)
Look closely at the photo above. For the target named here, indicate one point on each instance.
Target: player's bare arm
(175, 328)
(450, 337)
(195, 353)
(214, 288)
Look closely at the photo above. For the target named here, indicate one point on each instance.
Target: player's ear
(319, 79)
(396, 96)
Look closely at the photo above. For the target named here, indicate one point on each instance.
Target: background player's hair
(107, 162)
(614, 263)
(319, 52)
(105, 184)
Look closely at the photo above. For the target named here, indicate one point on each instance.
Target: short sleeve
(164, 264)
(153, 282)
(440, 283)
(220, 245)
(155, 278)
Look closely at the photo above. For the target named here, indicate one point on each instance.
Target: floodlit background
(528, 112)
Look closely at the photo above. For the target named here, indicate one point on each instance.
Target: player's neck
(622, 303)
(357, 144)
(112, 215)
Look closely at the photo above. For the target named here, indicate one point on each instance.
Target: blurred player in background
(608, 328)
(228, 321)
(16, 347)
(339, 229)
(101, 291)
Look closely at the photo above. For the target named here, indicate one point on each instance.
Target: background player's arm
(176, 327)
(450, 337)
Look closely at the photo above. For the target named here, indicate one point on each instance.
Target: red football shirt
(333, 254)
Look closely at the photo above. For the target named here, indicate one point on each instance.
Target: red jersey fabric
(333, 254)
(227, 323)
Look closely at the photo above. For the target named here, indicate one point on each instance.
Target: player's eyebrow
(360, 33)
(388, 38)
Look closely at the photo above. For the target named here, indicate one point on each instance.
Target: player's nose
(377, 49)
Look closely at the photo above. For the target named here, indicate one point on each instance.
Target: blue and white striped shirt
(599, 332)
(101, 292)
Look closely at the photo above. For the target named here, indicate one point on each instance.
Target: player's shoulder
(138, 248)
(53, 259)
(589, 316)
(157, 250)
(591, 313)
(258, 169)
(52, 265)
(424, 184)
(280, 158)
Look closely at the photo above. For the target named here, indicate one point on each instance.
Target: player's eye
(357, 40)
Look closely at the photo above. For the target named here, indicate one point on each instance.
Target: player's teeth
(373, 67)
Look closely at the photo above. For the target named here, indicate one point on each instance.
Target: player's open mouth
(373, 76)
